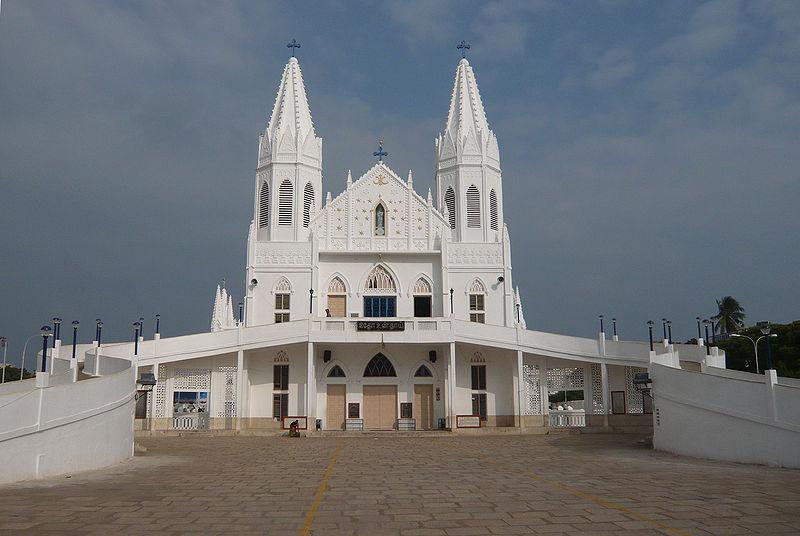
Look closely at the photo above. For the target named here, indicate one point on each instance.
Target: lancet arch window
(380, 281)
(283, 295)
(422, 298)
(336, 372)
(450, 203)
(285, 202)
(379, 367)
(337, 298)
(493, 217)
(423, 372)
(380, 289)
(473, 207)
(308, 203)
(477, 302)
(380, 220)
(263, 206)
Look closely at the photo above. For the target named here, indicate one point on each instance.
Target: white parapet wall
(727, 415)
(67, 426)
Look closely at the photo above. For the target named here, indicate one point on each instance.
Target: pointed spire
(466, 112)
(410, 180)
(349, 179)
(290, 123)
(430, 197)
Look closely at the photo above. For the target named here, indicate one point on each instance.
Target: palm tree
(731, 315)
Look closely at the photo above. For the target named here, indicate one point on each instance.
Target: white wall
(67, 427)
(726, 415)
(261, 382)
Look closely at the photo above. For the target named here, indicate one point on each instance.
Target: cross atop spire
(294, 44)
(380, 153)
(463, 46)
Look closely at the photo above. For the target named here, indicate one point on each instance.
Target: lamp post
(706, 322)
(755, 344)
(664, 325)
(614, 327)
(4, 344)
(99, 330)
(136, 326)
(56, 330)
(765, 330)
(451, 301)
(45, 334)
(310, 300)
(158, 324)
(25, 349)
(141, 327)
(241, 313)
(699, 335)
(650, 330)
(75, 325)
(669, 331)
(601, 324)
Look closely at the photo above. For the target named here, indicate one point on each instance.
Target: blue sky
(649, 149)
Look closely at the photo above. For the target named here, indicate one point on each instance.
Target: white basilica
(383, 309)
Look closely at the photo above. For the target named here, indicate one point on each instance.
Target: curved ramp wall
(727, 415)
(68, 426)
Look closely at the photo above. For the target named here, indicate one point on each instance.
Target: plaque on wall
(380, 325)
(468, 421)
(353, 410)
(405, 410)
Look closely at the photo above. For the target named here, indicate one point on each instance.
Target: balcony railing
(567, 418)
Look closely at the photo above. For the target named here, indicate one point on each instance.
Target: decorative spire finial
(380, 153)
(463, 46)
(294, 44)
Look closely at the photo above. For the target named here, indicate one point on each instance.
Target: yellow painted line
(597, 500)
(323, 485)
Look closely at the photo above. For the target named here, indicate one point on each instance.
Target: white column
(451, 383)
(520, 387)
(606, 393)
(239, 388)
(311, 390)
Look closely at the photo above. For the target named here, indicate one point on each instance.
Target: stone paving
(563, 484)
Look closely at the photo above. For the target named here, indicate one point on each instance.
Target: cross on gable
(293, 45)
(380, 153)
(463, 46)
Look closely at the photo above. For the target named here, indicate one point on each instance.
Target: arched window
(337, 298)
(379, 281)
(380, 220)
(308, 201)
(422, 298)
(422, 286)
(378, 367)
(493, 210)
(283, 295)
(285, 202)
(336, 372)
(263, 206)
(423, 372)
(450, 203)
(473, 207)
(477, 302)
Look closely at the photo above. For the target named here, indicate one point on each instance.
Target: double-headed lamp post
(75, 325)
(45, 334)
(765, 330)
(755, 344)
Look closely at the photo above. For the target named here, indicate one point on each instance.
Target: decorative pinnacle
(294, 44)
(463, 46)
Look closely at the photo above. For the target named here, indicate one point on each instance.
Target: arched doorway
(380, 399)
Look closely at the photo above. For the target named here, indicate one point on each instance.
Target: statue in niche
(380, 220)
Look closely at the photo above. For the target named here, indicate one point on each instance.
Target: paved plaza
(384, 485)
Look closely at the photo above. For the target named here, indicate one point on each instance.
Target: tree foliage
(785, 349)
(730, 315)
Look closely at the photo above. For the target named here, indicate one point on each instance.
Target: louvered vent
(493, 210)
(285, 201)
(263, 206)
(473, 207)
(308, 200)
(450, 203)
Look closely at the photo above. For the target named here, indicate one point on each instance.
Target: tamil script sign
(380, 325)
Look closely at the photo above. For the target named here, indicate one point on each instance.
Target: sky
(649, 150)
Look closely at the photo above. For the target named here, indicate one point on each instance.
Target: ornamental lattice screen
(597, 389)
(634, 396)
(160, 409)
(228, 408)
(192, 379)
(531, 375)
(561, 379)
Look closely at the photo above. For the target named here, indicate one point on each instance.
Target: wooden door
(380, 407)
(337, 306)
(336, 403)
(423, 406)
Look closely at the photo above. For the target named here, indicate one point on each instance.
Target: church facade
(381, 308)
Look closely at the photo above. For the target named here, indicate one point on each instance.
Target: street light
(56, 330)
(25, 349)
(141, 327)
(706, 322)
(451, 301)
(614, 325)
(158, 324)
(669, 331)
(310, 300)
(4, 343)
(601, 324)
(699, 335)
(45, 334)
(99, 330)
(664, 325)
(75, 325)
(765, 330)
(755, 344)
(650, 330)
(136, 326)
